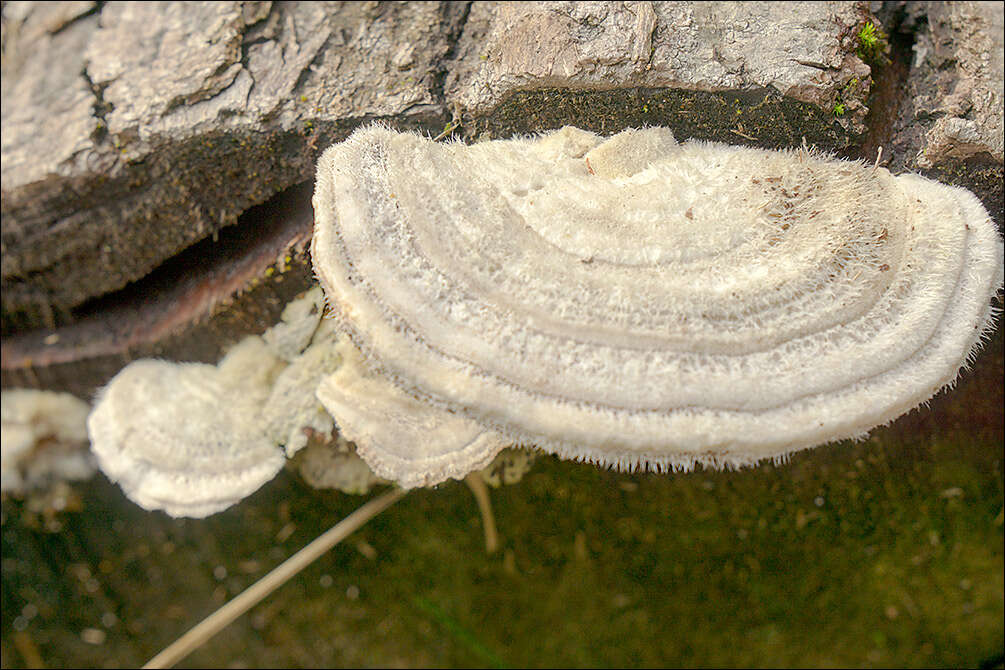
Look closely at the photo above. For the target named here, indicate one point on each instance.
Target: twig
(448, 129)
(251, 596)
(481, 493)
(737, 132)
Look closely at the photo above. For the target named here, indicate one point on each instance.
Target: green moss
(872, 43)
(761, 117)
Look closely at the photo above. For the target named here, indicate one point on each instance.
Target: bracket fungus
(185, 437)
(628, 301)
(640, 303)
(192, 439)
(401, 438)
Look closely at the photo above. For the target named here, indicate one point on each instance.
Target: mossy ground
(886, 552)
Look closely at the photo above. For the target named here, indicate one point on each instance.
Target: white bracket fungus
(187, 438)
(629, 301)
(636, 302)
(400, 438)
(193, 439)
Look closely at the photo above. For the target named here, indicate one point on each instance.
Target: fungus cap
(193, 439)
(399, 437)
(641, 303)
(187, 438)
(308, 344)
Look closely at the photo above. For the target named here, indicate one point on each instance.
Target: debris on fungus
(509, 467)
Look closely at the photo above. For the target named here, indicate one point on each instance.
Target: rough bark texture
(807, 56)
(156, 168)
(950, 124)
(953, 110)
(134, 131)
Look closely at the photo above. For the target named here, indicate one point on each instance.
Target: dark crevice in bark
(209, 259)
(100, 108)
(191, 307)
(889, 91)
(453, 39)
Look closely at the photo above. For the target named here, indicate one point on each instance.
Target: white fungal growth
(299, 322)
(292, 405)
(636, 302)
(400, 438)
(334, 464)
(42, 439)
(193, 439)
(187, 438)
(632, 302)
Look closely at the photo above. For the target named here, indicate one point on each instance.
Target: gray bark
(134, 131)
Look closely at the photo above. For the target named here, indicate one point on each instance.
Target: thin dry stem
(481, 493)
(251, 596)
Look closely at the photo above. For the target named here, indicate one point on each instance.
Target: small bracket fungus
(193, 439)
(187, 437)
(298, 323)
(636, 302)
(292, 408)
